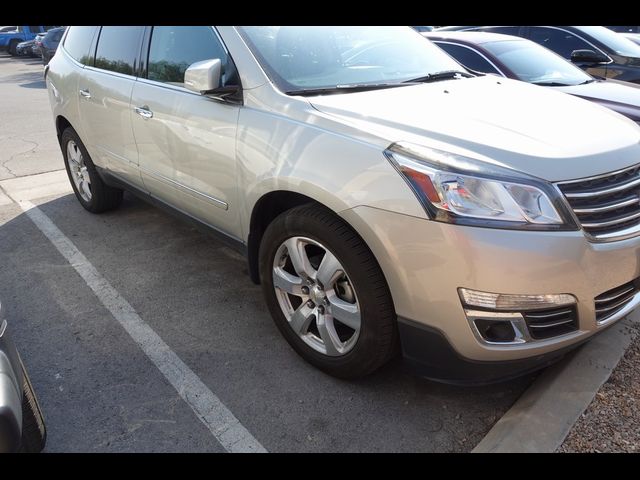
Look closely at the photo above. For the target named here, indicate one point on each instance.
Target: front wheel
(326, 292)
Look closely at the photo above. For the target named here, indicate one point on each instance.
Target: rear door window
(118, 49)
(78, 43)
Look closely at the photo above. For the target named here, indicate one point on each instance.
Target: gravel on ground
(611, 423)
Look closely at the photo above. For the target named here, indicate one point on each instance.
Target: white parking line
(224, 426)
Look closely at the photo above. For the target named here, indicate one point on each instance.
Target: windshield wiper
(552, 84)
(444, 75)
(356, 87)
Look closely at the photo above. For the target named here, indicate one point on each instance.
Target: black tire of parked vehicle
(378, 339)
(13, 47)
(103, 197)
(34, 433)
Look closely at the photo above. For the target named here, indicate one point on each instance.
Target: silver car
(386, 199)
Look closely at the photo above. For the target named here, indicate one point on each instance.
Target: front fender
(282, 153)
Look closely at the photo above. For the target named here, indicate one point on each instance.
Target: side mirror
(203, 77)
(588, 56)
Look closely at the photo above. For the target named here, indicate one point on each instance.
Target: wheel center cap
(317, 294)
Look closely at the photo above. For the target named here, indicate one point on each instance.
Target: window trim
(143, 54)
(454, 43)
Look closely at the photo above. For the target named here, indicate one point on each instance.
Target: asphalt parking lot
(98, 389)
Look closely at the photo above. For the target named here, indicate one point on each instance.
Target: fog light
(518, 303)
(496, 331)
(498, 327)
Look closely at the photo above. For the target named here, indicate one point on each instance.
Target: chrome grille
(612, 301)
(551, 323)
(608, 206)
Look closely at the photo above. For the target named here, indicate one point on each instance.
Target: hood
(622, 97)
(532, 129)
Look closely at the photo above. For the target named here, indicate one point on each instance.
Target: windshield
(616, 42)
(310, 58)
(533, 63)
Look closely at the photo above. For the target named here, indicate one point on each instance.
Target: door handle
(85, 94)
(144, 112)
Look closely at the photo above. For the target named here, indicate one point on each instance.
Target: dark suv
(597, 50)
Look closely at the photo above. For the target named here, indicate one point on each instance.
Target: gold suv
(386, 198)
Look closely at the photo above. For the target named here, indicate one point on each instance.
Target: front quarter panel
(292, 153)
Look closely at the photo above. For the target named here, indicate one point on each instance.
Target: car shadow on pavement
(26, 80)
(195, 294)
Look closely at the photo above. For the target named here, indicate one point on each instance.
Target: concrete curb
(542, 417)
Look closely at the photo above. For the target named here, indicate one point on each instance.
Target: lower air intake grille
(551, 323)
(614, 300)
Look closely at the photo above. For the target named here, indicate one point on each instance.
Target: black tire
(378, 339)
(13, 45)
(103, 197)
(34, 432)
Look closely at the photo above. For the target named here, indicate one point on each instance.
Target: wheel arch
(61, 125)
(264, 211)
(267, 208)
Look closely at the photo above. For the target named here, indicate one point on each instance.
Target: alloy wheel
(79, 172)
(316, 296)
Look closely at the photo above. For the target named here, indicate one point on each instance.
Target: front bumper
(428, 354)
(425, 262)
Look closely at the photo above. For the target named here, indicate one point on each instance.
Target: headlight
(457, 189)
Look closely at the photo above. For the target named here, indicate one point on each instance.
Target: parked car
(25, 49)
(9, 28)
(521, 59)
(22, 427)
(9, 40)
(37, 44)
(50, 42)
(482, 225)
(597, 50)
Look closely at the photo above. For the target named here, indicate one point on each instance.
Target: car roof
(474, 38)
